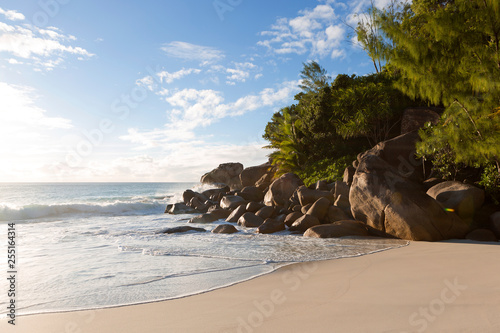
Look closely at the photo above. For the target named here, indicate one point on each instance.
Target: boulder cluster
(384, 193)
(272, 204)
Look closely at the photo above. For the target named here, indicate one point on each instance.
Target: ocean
(95, 245)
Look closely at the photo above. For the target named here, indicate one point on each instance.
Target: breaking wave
(119, 208)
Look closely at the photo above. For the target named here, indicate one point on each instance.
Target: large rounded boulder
(392, 204)
(282, 189)
(304, 222)
(249, 176)
(271, 226)
(225, 229)
(338, 229)
(231, 202)
(226, 173)
(399, 153)
(250, 220)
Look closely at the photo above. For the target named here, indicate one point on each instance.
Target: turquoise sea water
(91, 245)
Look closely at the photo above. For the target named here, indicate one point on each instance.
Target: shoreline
(445, 287)
(283, 265)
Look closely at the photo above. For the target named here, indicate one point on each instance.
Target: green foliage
(314, 77)
(326, 169)
(371, 37)
(448, 52)
(281, 132)
(333, 120)
(443, 159)
(490, 180)
(367, 106)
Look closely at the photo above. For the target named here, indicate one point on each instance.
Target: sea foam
(29, 212)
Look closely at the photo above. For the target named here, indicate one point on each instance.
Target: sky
(156, 91)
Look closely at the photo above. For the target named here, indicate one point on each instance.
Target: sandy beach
(423, 287)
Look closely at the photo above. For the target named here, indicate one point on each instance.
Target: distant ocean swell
(30, 212)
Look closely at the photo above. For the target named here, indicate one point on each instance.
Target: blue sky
(156, 90)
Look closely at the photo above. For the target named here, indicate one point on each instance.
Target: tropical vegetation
(442, 53)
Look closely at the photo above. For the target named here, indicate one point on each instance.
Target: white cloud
(318, 32)
(43, 47)
(25, 128)
(152, 82)
(13, 61)
(204, 54)
(311, 31)
(19, 110)
(170, 77)
(12, 15)
(240, 72)
(147, 81)
(234, 73)
(338, 54)
(192, 108)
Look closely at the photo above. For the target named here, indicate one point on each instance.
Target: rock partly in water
(282, 189)
(482, 235)
(168, 208)
(225, 229)
(338, 229)
(226, 173)
(303, 223)
(188, 195)
(203, 218)
(198, 205)
(180, 229)
(236, 214)
(181, 208)
(250, 220)
(394, 205)
(271, 226)
(219, 213)
(215, 191)
(463, 199)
